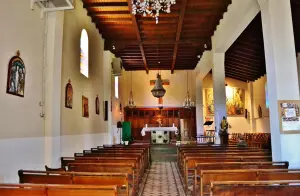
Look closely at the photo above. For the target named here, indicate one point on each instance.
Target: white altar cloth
(172, 129)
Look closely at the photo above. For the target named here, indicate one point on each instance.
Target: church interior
(150, 97)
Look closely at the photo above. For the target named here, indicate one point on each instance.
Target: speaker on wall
(105, 110)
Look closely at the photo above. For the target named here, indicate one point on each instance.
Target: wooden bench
(249, 188)
(65, 161)
(84, 178)
(56, 190)
(189, 164)
(235, 165)
(145, 152)
(207, 176)
(129, 169)
(106, 155)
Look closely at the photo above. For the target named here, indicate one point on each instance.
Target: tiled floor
(163, 180)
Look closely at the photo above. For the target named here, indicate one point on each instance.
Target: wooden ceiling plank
(178, 32)
(136, 27)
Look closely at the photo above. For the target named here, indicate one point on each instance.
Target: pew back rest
(274, 188)
(56, 190)
(102, 167)
(67, 160)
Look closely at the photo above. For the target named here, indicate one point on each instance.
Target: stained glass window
(84, 53)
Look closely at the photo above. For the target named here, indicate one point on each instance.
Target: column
(107, 95)
(52, 86)
(219, 90)
(281, 67)
(251, 108)
(199, 105)
(298, 67)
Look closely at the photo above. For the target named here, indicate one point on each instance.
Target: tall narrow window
(117, 87)
(84, 53)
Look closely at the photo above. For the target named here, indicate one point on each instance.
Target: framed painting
(16, 76)
(97, 105)
(69, 95)
(85, 107)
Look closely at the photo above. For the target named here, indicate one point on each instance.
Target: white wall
(175, 92)
(259, 97)
(22, 131)
(74, 127)
(238, 124)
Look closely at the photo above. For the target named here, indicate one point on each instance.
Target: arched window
(84, 53)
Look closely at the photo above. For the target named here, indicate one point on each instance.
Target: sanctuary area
(149, 97)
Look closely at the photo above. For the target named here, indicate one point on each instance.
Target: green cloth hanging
(126, 132)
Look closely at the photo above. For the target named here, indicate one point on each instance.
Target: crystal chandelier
(152, 7)
(188, 103)
(158, 91)
(130, 101)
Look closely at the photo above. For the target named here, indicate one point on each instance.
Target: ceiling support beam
(178, 32)
(137, 31)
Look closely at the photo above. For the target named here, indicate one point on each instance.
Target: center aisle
(163, 180)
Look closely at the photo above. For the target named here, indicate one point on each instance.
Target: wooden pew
(108, 167)
(190, 162)
(83, 178)
(137, 155)
(207, 176)
(56, 190)
(254, 188)
(65, 161)
(235, 165)
(54, 169)
(221, 154)
(121, 150)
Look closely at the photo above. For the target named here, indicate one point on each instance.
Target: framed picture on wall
(16, 76)
(69, 95)
(85, 107)
(289, 116)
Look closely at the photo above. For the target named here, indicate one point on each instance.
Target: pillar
(52, 86)
(281, 67)
(219, 90)
(252, 121)
(199, 105)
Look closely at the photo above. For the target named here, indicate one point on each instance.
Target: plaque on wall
(289, 116)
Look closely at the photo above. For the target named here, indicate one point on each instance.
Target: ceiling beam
(104, 4)
(137, 31)
(178, 33)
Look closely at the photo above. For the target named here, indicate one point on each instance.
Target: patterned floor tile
(163, 180)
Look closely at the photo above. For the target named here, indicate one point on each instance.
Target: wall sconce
(120, 109)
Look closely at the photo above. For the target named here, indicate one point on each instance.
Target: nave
(200, 169)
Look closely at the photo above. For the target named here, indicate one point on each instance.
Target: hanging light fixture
(130, 101)
(158, 91)
(152, 7)
(188, 103)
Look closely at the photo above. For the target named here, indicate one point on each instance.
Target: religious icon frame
(21, 69)
(69, 95)
(97, 105)
(85, 107)
(282, 106)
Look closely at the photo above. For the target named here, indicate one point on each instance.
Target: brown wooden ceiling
(245, 59)
(175, 42)
(295, 4)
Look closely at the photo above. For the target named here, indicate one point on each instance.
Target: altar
(159, 135)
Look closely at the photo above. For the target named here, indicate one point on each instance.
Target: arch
(84, 53)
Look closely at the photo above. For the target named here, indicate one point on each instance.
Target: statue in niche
(69, 95)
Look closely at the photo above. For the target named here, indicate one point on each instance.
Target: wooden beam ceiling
(178, 32)
(137, 31)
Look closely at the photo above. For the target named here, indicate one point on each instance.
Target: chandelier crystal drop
(158, 91)
(152, 7)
